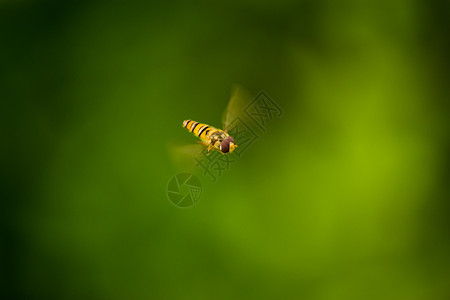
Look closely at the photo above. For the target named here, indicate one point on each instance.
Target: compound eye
(225, 146)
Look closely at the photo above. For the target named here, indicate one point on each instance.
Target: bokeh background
(345, 196)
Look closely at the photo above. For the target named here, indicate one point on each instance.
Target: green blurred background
(345, 196)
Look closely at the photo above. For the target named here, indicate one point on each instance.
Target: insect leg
(203, 143)
(208, 146)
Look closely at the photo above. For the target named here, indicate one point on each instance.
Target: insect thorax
(218, 136)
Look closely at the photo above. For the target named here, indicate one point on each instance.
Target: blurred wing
(239, 99)
(191, 150)
(184, 156)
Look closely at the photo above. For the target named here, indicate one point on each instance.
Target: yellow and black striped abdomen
(201, 130)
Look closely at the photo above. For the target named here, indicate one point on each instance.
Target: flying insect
(212, 138)
(218, 139)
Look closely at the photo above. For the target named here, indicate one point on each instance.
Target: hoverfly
(212, 138)
(218, 139)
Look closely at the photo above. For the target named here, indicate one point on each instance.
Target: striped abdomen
(201, 130)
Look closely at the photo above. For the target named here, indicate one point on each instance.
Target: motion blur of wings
(235, 108)
(183, 155)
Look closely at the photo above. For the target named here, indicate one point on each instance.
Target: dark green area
(345, 196)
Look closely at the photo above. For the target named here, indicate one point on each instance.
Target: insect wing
(183, 156)
(235, 108)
